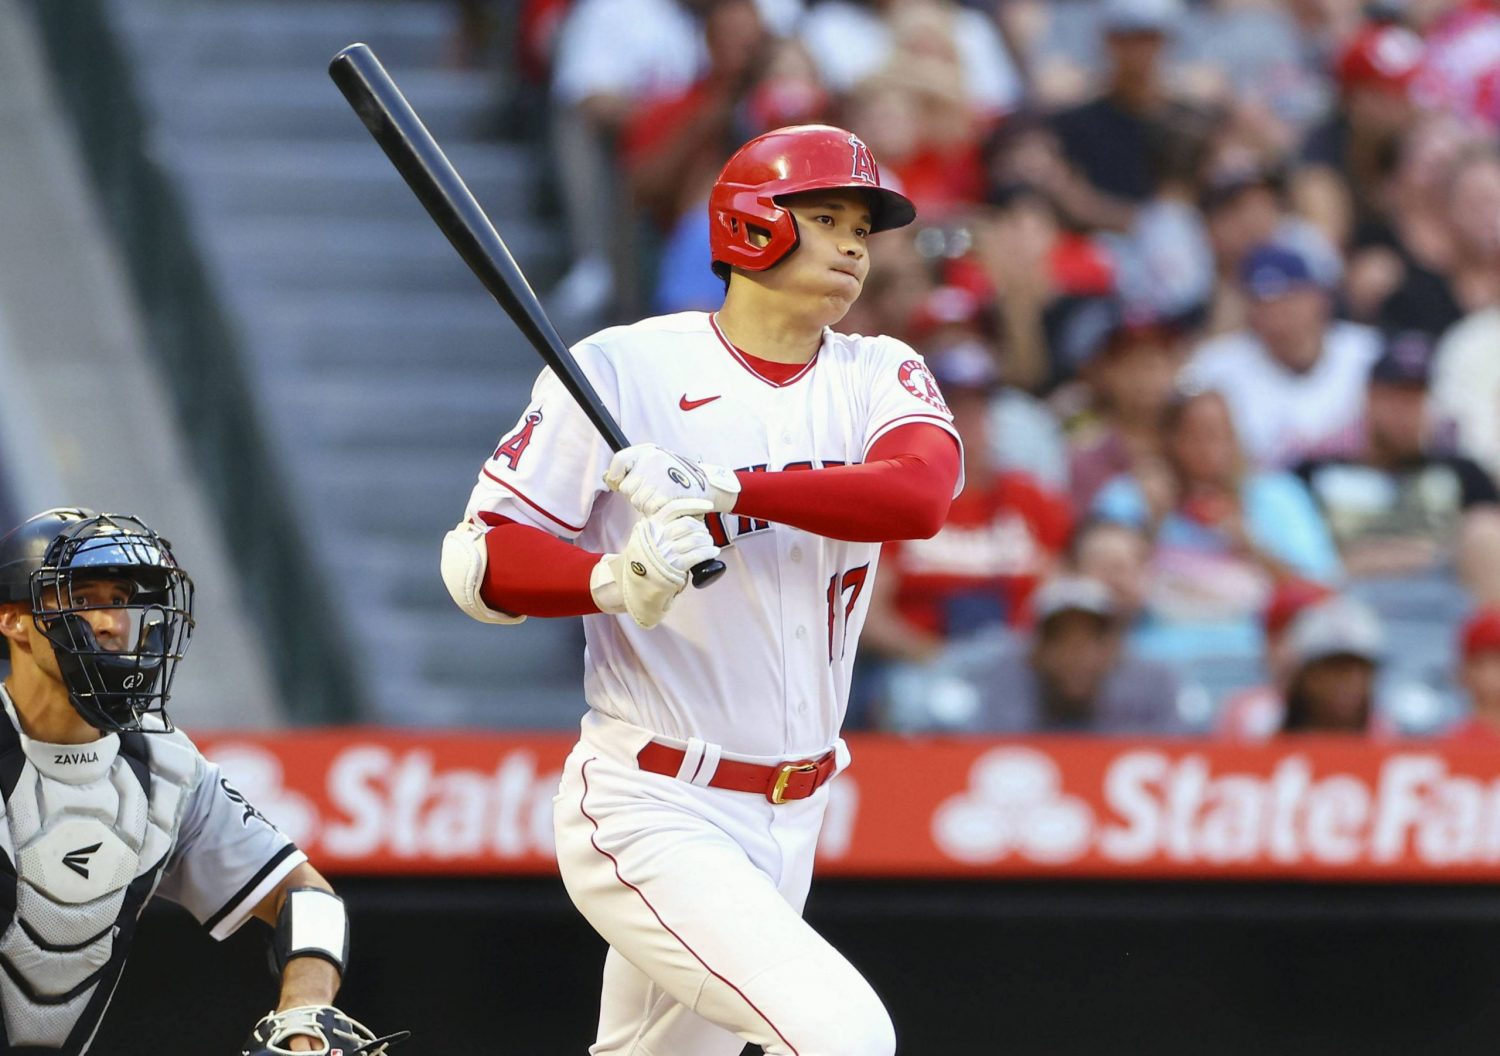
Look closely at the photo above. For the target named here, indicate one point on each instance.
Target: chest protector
(86, 833)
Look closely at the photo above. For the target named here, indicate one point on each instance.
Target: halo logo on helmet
(47, 562)
(749, 228)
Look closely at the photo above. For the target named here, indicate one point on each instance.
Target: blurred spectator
(1265, 63)
(1164, 262)
(1024, 434)
(1409, 243)
(1256, 711)
(1117, 555)
(1295, 378)
(900, 280)
(916, 119)
(1108, 139)
(1003, 533)
(1261, 58)
(1333, 653)
(1461, 74)
(1466, 387)
(1346, 159)
(674, 144)
(1479, 674)
(1223, 533)
(1466, 278)
(1397, 509)
(610, 54)
(1129, 372)
(851, 41)
(1245, 207)
(613, 55)
(537, 27)
(1025, 153)
(1336, 649)
(1044, 277)
(1072, 675)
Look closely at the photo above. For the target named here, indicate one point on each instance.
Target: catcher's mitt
(338, 1034)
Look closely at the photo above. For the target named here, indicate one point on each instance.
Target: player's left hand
(318, 1029)
(651, 476)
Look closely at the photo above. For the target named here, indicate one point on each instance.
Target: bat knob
(705, 572)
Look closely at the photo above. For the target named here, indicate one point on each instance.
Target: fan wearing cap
(1335, 649)
(1002, 535)
(1479, 674)
(1255, 712)
(1396, 507)
(1344, 160)
(689, 811)
(1071, 674)
(1329, 654)
(1294, 377)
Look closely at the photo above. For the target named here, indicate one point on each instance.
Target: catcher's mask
(76, 561)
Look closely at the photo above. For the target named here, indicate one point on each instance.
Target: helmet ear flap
(754, 231)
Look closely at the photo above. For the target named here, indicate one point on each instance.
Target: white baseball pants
(699, 893)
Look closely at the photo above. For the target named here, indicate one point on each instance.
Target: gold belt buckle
(784, 774)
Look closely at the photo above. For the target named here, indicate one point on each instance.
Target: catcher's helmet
(787, 161)
(40, 563)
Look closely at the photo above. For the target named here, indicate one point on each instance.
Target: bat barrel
(431, 176)
(406, 141)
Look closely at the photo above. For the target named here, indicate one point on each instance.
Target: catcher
(105, 804)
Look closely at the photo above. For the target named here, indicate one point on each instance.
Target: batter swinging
(689, 811)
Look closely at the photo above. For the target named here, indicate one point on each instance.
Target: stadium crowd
(1212, 288)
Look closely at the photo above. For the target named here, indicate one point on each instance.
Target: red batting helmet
(787, 161)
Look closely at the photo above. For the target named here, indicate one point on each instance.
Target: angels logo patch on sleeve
(513, 447)
(918, 380)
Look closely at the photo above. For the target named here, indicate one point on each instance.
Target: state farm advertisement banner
(380, 801)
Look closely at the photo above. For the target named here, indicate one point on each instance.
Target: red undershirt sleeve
(902, 490)
(532, 573)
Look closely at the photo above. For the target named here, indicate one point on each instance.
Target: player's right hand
(646, 577)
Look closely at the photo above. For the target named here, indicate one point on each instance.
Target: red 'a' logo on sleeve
(512, 448)
(864, 162)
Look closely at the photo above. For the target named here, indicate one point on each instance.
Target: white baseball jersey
(758, 662)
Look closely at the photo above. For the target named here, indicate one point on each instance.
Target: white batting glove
(647, 576)
(651, 476)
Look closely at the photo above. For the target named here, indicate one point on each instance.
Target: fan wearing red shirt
(1003, 534)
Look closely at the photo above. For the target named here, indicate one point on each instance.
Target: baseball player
(106, 805)
(689, 811)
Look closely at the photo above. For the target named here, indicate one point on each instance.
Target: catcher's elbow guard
(465, 558)
(312, 923)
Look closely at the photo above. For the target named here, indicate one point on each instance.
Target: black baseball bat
(438, 186)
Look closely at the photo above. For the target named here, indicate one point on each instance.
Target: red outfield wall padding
(410, 802)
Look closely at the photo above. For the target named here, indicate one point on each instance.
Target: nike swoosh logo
(692, 405)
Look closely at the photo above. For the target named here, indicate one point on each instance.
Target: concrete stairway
(382, 370)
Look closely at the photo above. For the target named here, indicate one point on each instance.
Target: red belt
(778, 782)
